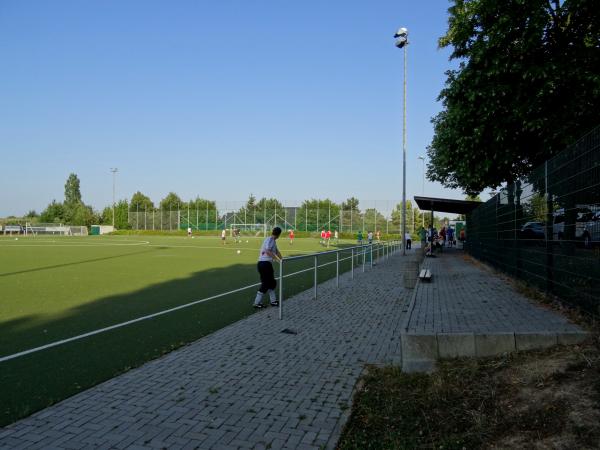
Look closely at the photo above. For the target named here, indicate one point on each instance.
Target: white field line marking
(122, 324)
(139, 319)
(99, 244)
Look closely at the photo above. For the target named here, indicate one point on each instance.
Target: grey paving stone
(247, 380)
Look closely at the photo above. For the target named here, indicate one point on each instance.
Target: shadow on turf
(48, 376)
(75, 263)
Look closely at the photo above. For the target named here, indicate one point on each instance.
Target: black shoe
(275, 303)
(259, 306)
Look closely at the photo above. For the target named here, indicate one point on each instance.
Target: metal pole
(371, 255)
(306, 218)
(280, 289)
(114, 171)
(352, 264)
(337, 269)
(404, 160)
(364, 253)
(423, 188)
(316, 265)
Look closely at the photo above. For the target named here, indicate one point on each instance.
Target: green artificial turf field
(53, 288)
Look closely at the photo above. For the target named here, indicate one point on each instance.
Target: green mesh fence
(545, 229)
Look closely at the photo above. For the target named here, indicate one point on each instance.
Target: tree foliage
(141, 202)
(121, 215)
(350, 204)
(171, 202)
(54, 213)
(527, 85)
(201, 204)
(72, 191)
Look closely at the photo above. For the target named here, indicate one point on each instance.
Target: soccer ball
(246, 241)
(193, 237)
(16, 239)
(239, 252)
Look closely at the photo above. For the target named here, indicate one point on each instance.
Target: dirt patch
(539, 399)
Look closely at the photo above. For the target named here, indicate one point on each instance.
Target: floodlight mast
(114, 171)
(402, 42)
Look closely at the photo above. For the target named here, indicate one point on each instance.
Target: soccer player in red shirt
(328, 237)
(323, 233)
(291, 237)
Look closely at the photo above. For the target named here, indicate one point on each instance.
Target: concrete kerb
(571, 338)
(492, 344)
(532, 341)
(456, 345)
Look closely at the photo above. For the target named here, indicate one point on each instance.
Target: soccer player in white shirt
(223, 236)
(268, 252)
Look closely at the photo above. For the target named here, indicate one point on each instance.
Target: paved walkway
(251, 386)
(246, 386)
(469, 310)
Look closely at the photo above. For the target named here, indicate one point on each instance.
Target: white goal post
(248, 229)
(55, 229)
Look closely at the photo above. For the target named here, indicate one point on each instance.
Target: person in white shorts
(223, 236)
(268, 252)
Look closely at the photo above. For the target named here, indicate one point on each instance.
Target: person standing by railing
(268, 252)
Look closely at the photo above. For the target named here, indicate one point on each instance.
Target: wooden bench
(425, 275)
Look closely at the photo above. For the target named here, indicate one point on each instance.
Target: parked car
(587, 225)
(532, 230)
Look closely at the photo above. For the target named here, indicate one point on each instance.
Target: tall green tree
(121, 209)
(316, 214)
(141, 202)
(72, 191)
(350, 204)
(270, 207)
(527, 85)
(201, 204)
(172, 202)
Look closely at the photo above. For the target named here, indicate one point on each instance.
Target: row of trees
(75, 212)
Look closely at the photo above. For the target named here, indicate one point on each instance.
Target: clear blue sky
(217, 99)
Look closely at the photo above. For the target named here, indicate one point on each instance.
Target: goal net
(55, 229)
(247, 229)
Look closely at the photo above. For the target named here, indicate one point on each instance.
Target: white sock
(272, 296)
(258, 299)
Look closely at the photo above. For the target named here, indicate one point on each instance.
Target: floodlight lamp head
(402, 32)
(401, 42)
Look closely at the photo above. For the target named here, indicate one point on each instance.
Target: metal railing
(375, 251)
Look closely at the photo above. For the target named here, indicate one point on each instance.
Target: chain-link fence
(545, 228)
(299, 218)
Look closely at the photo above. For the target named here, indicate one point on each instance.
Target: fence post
(364, 253)
(280, 289)
(352, 266)
(371, 255)
(316, 265)
(337, 269)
